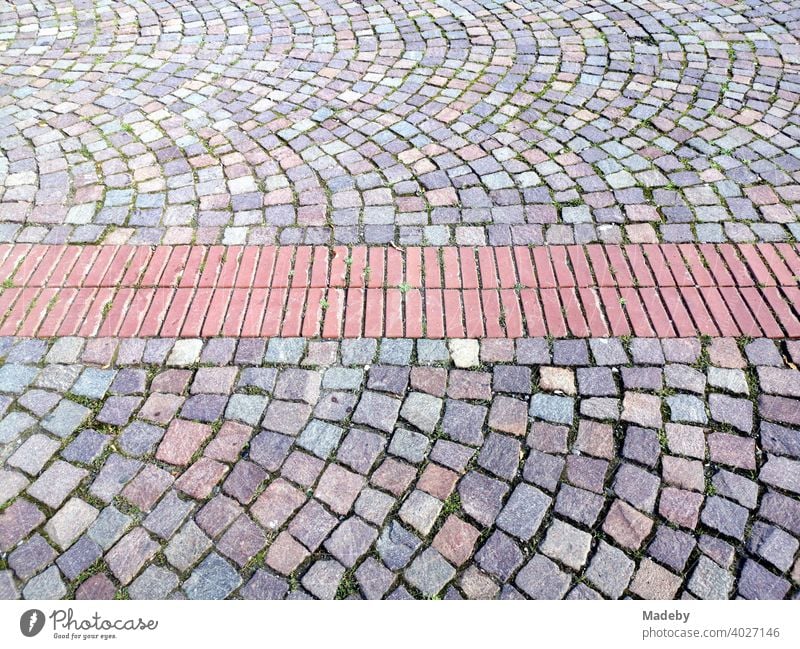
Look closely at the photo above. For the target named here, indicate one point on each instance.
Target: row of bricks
(667, 311)
(484, 267)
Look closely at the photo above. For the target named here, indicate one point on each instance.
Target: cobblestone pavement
(189, 186)
(410, 121)
(397, 468)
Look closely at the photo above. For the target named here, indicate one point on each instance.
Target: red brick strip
(663, 290)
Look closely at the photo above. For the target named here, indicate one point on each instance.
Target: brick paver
(662, 290)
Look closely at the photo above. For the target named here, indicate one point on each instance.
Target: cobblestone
(435, 498)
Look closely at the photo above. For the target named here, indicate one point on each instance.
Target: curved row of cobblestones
(412, 121)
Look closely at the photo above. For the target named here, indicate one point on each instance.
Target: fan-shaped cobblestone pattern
(371, 468)
(412, 122)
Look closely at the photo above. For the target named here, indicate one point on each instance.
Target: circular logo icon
(31, 622)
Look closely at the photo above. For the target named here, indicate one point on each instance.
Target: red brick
(237, 307)
(37, 257)
(44, 271)
(302, 265)
(82, 266)
(247, 267)
(55, 316)
(283, 267)
(452, 273)
(473, 314)
(334, 314)
(599, 262)
(354, 313)
(173, 320)
(487, 266)
(761, 312)
(293, 314)
(155, 267)
(699, 272)
(94, 316)
(358, 263)
(544, 268)
(505, 267)
(583, 273)
(553, 316)
(377, 267)
(572, 309)
(38, 312)
(414, 267)
(658, 264)
(434, 314)
(266, 262)
(700, 315)
(217, 309)
(735, 266)
(532, 309)
(213, 263)
(154, 316)
(622, 271)
(676, 264)
(394, 313)
(680, 316)
(736, 305)
(413, 313)
(716, 265)
(782, 310)
(491, 314)
(137, 312)
(319, 268)
(722, 318)
(525, 271)
(513, 315)
(115, 316)
(134, 268)
(373, 318)
(433, 276)
(338, 276)
(776, 265)
(274, 315)
(230, 267)
(193, 324)
(191, 270)
(63, 268)
(564, 277)
(638, 265)
(312, 322)
(617, 320)
(469, 269)
(14, 319)
(174, 266)
(595, 317)
(453, 311)
(636, 312)
(790, 257)
(658, 315)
